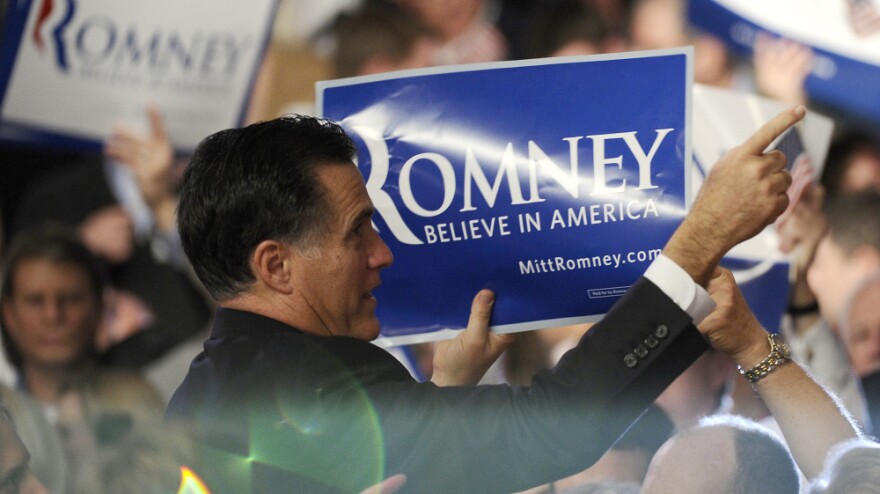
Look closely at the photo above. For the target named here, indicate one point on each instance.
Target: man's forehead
(345, 190)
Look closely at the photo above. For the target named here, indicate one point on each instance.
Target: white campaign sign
(83, 66)
(724, 119)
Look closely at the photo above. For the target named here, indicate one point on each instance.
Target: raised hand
(150, 158)
(864, 17)
(744, 192)
(781, 67)
(108, 233)
(811, 419)
(731, 327)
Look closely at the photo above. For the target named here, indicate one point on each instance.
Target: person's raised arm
(150, 158)
(811, 419)
(781, 67)
(744, 192)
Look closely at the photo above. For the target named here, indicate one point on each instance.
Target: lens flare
(190, 483)
(330, 435)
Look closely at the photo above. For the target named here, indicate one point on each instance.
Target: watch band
(780, 353)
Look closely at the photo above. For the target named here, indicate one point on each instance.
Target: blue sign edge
(714, 17)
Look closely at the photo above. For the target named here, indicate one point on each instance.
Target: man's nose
(53, 311)
(380, 254)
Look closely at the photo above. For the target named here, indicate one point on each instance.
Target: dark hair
(764, 463)
(257, 183)
(51, 242)
(840, 157)
(375, 29)
(854, 220)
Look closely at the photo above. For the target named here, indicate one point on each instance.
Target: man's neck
(274, 308)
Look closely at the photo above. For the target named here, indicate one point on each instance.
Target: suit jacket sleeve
(504, 439)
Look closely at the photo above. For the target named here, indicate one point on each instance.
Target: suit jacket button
(651, 341)
(630, 360)
(641, 351)
(661, 331)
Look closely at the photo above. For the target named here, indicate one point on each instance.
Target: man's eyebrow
(366, 214)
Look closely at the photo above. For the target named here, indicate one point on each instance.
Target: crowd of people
(151, 344)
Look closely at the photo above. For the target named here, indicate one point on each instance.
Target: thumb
(718, 281)
(481, 312)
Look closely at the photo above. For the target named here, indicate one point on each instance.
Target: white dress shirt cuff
(680, 287)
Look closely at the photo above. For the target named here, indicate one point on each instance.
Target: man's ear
(271, 264)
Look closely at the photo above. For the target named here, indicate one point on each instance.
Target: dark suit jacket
(337, 414)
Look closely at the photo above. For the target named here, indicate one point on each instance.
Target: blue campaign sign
(553, 182)
(846, 61)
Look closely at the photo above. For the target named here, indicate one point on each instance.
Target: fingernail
(800, 111)
(487, 297)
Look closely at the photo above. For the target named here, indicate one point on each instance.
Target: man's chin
(368, 331)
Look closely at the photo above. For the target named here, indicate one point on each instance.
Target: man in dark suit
(289, 392)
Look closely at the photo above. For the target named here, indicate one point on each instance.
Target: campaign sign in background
(554, 183)
(846, 62)
(723, 119)
(71, 69)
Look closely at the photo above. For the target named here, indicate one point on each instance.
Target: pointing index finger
(758, 142)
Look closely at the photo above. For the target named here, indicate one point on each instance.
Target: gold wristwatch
(780, 353)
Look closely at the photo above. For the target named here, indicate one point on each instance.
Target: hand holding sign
(464, 360)
(744, 192)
